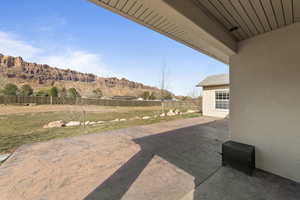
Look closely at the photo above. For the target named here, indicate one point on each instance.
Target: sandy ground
(11, 109)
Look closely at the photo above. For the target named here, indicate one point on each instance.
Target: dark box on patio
(239, 156)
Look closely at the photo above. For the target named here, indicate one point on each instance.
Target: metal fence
(73, 101)
(183, 105)
(195, 104)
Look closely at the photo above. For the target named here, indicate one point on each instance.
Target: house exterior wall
(209, 102)
(265, 99)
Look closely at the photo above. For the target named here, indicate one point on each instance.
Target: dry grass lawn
(24, 124)
(14, 109)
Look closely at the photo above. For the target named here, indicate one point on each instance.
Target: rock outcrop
(42, 74)
(16, 67)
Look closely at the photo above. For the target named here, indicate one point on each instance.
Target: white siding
(209, 102)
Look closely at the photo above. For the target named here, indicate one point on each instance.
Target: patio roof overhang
(213, 27)
(260, 41)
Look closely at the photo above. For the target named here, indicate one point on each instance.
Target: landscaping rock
(55, 124)
(191, 111)
(134, 118)
(123, 120)
(115, 120)
(176, 111)
(171, 113)
(73, 123)
(92, 123)
(87, 123)
(146, 117)
(3, 157)
(162, 115)
(100, 122)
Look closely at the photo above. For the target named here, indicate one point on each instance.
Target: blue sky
(79, 35)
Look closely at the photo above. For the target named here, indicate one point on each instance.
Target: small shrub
(10, 89)
(145, 95)
(42, 93)
(26, 90)
(97, 93)
(72, 92)
(53, 92)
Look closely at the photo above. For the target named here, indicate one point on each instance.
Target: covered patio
(260, 42)
(164, 161)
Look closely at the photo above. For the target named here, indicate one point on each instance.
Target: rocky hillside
(42, 76)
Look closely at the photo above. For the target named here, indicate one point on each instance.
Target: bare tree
(3, 82)
(163, 84)
(194, 93)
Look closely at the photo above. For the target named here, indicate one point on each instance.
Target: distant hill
(42, 76)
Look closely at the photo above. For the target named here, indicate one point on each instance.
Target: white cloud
(10, 45)
(78, 60)
(74, 59)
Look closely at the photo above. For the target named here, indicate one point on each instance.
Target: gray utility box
(239, 156)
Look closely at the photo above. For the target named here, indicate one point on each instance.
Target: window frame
(222, 97)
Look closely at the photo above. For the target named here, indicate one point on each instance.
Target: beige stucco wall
(265, 99)
(209, 103)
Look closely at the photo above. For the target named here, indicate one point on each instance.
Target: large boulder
(55, 124)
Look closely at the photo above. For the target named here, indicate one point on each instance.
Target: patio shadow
(194, 149)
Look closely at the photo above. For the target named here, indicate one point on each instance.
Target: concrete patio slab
(158, 174)
(63, 168)
(170, 160)
(229, 184)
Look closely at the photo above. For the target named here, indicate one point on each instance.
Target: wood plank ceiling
(155, 15)
(242, 18)
(248, 18)
(138, 11)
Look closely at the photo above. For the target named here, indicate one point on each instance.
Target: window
(222, 99)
